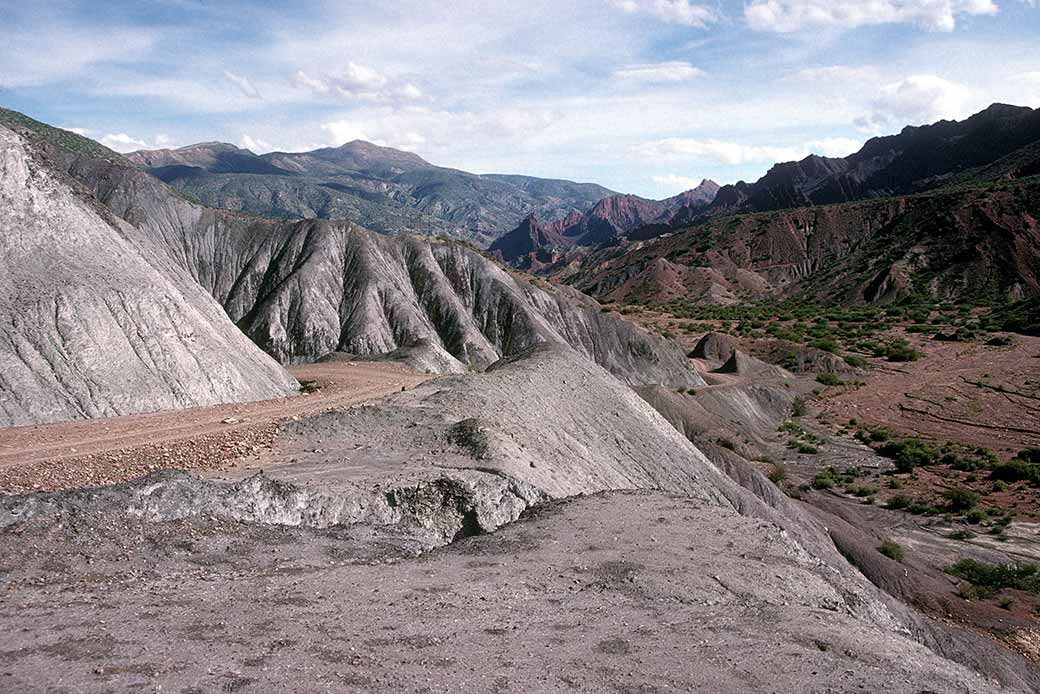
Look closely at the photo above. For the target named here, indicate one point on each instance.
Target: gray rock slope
(304, 289)
(97, 322)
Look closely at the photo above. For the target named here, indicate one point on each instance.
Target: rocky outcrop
(96, 319)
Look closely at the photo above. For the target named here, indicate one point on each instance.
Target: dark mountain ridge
(387, 190)
(917, 159)
(535, 244)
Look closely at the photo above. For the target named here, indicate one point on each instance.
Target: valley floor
(68, 455)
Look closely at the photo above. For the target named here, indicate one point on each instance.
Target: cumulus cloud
(121, 142)
(671, 11)
(78, 131)
(244, 85)
(255, 144)
(915, 100)
(358, 81)
(676, 182)
(673, 71)
(787, 16)
(735, 153)
(344, 131)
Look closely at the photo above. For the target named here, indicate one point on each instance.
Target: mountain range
(534, 244)
(383, 189)
(125, 297)
(944, 211)
(1000, 142)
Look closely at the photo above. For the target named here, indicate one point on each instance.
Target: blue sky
(643, 96)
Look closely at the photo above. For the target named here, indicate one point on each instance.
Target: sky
(642, 96)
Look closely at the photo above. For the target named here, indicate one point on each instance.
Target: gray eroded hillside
(96, 321)
(304, 289)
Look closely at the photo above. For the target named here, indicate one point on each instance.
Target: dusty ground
(624, 592)
(102, 451)
(958, 391)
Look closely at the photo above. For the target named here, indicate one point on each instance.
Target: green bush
(1017, 470)
(909, 454)
(829, 379)
(855, 362)
(798, 407)
(822, 480)
(961, 499)
(901, 351)
(892, 550)
(990, 578)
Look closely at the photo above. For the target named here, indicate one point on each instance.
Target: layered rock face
(97, 321)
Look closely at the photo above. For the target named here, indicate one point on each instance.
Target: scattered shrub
(1017, 470)
(901, 351)
(892, 550)
(909, 453)
(829, 379)
(974, 516)
(822, 480)
(960, 499)
(855, 361)
(777, 473)
(799, 408)
(990, 578)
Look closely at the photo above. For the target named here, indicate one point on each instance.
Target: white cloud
(834, 146)
(121, 142)
(189, 94)
(244, 85)
(916, 100)
(672, 11)
(676, 182)
(674, 71)
(786, 16)
(78, 131)
(54, 53)
(344, 131)
(841, 74)
(714, 151)
(255, 145)
(415, 128)
(735, 153)
(300, 79)
(358, 81)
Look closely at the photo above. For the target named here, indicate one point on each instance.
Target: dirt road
(100, 451)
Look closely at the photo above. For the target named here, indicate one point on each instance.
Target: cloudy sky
(644, 96)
